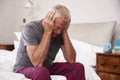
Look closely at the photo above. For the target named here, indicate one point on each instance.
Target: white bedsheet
(7, 60)
(6, 75)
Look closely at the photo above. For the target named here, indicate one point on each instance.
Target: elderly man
(39, 44)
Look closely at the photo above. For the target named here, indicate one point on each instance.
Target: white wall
(7, 20)
(11, 15)
(13, 11)
(83, 10)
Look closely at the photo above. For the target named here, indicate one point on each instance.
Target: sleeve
(29, 35)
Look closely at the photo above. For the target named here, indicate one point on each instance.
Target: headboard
(95, 33)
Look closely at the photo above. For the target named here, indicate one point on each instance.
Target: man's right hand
(38, 53)
(48, 21)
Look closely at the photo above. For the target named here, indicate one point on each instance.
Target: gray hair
(62, 11)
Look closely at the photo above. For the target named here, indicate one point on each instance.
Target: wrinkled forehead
(61, 21)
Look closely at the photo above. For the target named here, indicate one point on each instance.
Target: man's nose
(59, 31)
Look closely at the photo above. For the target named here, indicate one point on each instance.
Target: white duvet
(7, 60)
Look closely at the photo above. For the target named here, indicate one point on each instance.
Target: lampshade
(28, 4)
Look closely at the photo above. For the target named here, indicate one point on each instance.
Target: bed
(87, 39)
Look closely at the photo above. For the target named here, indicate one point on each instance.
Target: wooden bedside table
(108, 66)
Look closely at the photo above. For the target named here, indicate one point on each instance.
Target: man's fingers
(50, 18)
(48, 14)
(53, 19)
(52, 14)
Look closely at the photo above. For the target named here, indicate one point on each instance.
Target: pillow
(16, 45)
(16, 42)
(85, 53)
(18, 35)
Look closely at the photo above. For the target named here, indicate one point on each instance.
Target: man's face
(60, 26)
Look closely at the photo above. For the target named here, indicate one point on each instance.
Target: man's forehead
(61, 20)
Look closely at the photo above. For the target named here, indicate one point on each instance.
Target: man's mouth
(55, 35)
